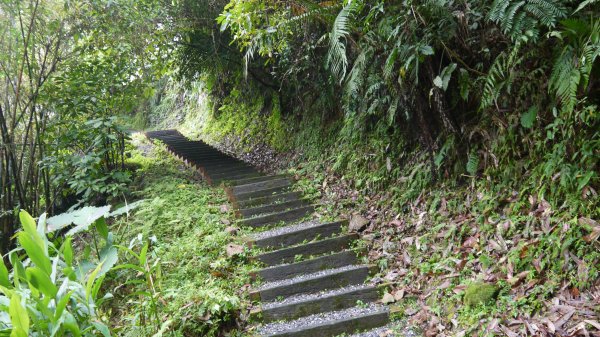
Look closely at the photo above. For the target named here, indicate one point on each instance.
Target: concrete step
(208, 156)
(311, 283)
(220, 163)
(261, 185)
(330, 324)
(290, 254)
(331, 261)
(295, 234)
(278, 207)
(227, 174)
(224, 179)
(267, 200)
(259, 194)
(256, 180)
(277, 218)
(227, 171)
(298, 306)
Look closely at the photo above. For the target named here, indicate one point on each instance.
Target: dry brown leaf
(595, 324)
(508, 332)
(233, 249)
(399, 295)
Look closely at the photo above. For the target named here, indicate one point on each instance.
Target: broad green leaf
(67, 251)
(528, 118)
(30, 227)
(90, 282)
(426, 50)
(41, 225)
(18, 269)
(71, 324)
(4, 281)
(35, 252)
(81, 218)
(127, 208)
(96, 287)
(19, 317)
(62, 304)
(101, 227)
(28, 223)
(41, 281)
(102, 328)
(109, 259)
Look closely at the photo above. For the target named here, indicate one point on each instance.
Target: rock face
(357, 223)
(480, 293)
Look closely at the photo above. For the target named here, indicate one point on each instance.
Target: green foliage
(67, 71)
(523, 19)
(573, 67)
(175, 242)
(46, 293)
(336, 59)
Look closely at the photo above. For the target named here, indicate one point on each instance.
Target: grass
(195, 286)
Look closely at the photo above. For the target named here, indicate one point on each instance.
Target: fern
(522, 19)
(355, 80)
(473, 163)
(574, 64)
(500, 77)
(337, 60)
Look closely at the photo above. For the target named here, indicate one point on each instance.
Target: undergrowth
(194, 285)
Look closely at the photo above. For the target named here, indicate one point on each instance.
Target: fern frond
(390, 64)
(355, 79)
(522, 19)
(337, 60)
(473, 163)
(573, 66)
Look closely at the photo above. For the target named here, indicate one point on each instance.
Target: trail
(312, 283)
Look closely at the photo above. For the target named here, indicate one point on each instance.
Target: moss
(480, 293)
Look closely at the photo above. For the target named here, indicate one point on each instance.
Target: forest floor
(456, 277)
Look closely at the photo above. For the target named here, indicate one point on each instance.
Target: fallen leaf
(357, 223)
(388, 298)
(595, 324)
(399, 295)
(233, 249)
(224, 208)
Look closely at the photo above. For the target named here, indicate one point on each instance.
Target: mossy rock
(480, 293)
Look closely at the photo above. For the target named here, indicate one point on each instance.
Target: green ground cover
(195, 284)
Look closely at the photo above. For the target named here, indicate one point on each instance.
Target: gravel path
(319, 319)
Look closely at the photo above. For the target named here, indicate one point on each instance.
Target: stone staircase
(312, 283)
